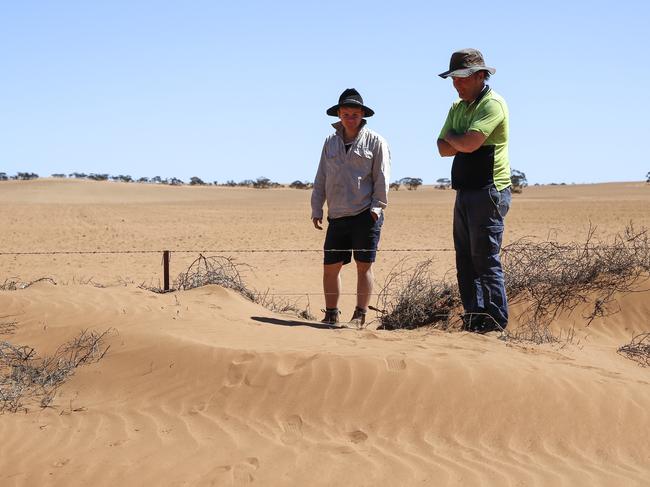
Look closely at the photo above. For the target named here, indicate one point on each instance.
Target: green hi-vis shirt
(489, 164)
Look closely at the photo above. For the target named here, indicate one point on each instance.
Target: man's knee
(332, 269)
(363, 267)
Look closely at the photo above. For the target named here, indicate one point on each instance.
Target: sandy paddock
(206, 388)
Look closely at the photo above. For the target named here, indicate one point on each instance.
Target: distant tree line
(410, 183)
(22, 176)
(517, 178)
(259, 183)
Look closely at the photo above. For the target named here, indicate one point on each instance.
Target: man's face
(351, 118)
(469, 88)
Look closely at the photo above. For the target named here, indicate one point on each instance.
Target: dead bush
(26, 378)
(222, 271)
(13, 284)
(411, 298)
(638, 349)
(225, 272)
(546, 277)
(551, 277)
(280, 304)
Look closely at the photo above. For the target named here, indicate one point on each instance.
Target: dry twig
(638, 349)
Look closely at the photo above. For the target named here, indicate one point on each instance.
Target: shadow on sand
(276, 321)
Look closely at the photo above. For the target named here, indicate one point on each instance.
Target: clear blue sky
(238, 90)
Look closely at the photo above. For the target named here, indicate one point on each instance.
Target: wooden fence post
(166, 270)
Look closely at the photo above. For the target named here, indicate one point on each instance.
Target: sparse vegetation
(411, 183)
(98, 177)
(196, 181)
(225, 272)
(411, 298)
(545, 278)
(26, 379)
(443, 183)
(259, 183)
(553, 278)
(14, 284)
(300, 185)
(222, 271)
(394, 185)
(638, 349)
(518, 180)
(124, 178)
(25, 176)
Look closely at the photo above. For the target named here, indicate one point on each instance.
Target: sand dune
(206, 388)
(203, 387)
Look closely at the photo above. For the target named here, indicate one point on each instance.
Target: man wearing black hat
(352, 177)
(476, 134)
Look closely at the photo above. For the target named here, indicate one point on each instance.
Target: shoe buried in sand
(481, 324)
(359, 317)
(331, 316)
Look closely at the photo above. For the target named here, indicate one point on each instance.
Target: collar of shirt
(338, 126)
(483, 92)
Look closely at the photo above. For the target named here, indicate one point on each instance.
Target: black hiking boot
(358, 317)
(481, 324)
(331, 316)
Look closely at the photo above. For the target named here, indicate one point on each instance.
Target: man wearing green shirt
(476, 135)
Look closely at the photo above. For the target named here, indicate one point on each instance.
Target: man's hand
(374, 215)
(317, 223)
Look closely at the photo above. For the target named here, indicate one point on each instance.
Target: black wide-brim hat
(465, 63)
(350, 98)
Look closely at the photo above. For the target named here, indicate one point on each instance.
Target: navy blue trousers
(478, 232)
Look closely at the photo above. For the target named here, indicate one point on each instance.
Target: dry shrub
(547, 278)
(283, 305)
(225, 272)
(13, 284)
(411, 298)
(638, 349)
(552, 278)
(222, 271)
(26, 378)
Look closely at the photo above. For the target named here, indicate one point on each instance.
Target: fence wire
(257, 251)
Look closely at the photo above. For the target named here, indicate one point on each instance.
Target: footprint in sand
(357, 436)
(288, 366)
(236, 374)
(242, 473)
(236, 475)
(61, 462)
(292, 429)
(244, 358)
(395, 363)
(237, 370)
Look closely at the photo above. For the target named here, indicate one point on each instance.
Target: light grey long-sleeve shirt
(353, 181)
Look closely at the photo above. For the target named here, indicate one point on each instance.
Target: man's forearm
(467, 142)
(445, 149)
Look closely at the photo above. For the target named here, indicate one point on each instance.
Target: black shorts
(352, 232)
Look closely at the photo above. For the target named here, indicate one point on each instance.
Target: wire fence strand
(257, 251)
(215, 251)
